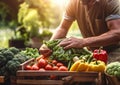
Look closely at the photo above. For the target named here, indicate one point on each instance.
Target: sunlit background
(59, 2)
(45, 14)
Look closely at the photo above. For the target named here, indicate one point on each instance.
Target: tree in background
(37, 14)
(34, 15)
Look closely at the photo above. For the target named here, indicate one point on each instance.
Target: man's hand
(72, 42)
(44, 50)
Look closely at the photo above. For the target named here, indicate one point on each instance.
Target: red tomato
(54, 62)
(39, 57)
(41, 69)
(48, 67)
(42, 63)
(59, 64)
(28, 67)
(62, 68)
(55, 68)
(53, 77)
(35, 67)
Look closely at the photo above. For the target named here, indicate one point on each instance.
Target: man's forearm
(108, 38)
(62, 30)
(59, 33)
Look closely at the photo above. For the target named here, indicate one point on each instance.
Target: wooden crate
(13, 80)
(34, 77)
(112, 80)
(9, 81)
(2, 79)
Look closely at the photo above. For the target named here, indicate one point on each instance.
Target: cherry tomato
(59, 64)
(62, 68)
(39, 57)
(42, 63)
(48, 67)
(55, 68)
(54, 62)
(41, 69)
(35, 67)
(28, 67)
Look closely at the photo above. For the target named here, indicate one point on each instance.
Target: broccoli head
(14, 50)
(12, 66)
(3, 49)
(2, 60)
(3, 71)
(20, 57)
(8, 54)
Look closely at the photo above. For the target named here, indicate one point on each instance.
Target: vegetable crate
(13, 80)
(36, 77)
(2, 79)
(112, 80)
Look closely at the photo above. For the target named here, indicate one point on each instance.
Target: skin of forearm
(108, 38)
(59, 33)
(62, 30)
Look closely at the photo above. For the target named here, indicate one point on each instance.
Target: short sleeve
(70, 10)
(112, 17)
(112, 9)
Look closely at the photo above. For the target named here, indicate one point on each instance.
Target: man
(99, 23)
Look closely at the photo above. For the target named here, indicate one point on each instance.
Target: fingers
(68, 46)
(66, 43)
(71, 43)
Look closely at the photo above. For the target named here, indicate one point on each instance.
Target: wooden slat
(2, 79)
(75, 77)
(61, 73)
(112, 80)
(26, 63)
(39, 82)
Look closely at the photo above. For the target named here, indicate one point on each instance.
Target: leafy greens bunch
(60, 54)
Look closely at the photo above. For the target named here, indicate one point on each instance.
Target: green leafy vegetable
(60, 54)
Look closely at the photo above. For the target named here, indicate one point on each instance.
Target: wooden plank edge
(2, 79)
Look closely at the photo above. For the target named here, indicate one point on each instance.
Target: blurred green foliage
(7, 17)
(31, 14)
(5, 35)
(29, 19)
(35, 15)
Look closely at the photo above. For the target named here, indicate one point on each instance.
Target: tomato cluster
(45, 64)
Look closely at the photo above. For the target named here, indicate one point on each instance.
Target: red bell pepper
(100, 54)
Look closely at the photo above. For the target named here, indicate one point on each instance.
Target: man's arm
(108, 38)
(60, 32)
(105, 39)
(62, 29)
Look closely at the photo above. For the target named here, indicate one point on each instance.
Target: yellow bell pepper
(98, 66)
(83, 66)
(75, 66)
(79, 65)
